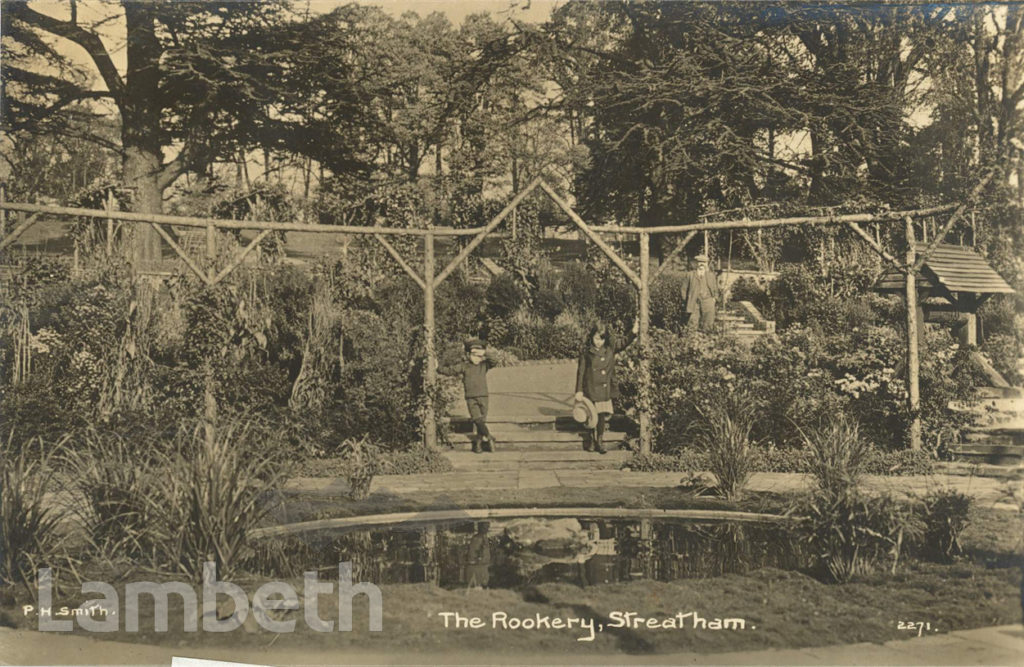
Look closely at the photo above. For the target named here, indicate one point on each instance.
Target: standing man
(700, 292)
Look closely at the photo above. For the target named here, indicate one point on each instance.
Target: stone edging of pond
(374, 520)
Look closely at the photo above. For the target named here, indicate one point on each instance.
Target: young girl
(595, 378)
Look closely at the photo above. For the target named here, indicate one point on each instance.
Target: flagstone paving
(1001, 645)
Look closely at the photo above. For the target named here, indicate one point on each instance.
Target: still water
(514, 553)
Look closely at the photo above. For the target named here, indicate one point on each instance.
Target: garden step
(999, 392)
(537, 424)
(747, 332)
(550, 438)
(984, 437)
(986, 404)
(537, 460)
(1013, 425)
(989, 453)
(462, 444)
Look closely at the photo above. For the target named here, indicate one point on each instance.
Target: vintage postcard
(511, 332)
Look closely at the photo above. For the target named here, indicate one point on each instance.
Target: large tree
(196, 81)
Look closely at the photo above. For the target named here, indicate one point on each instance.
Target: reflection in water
(521, 552)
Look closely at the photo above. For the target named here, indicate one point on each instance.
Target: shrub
(524, 334)
(378, 390)
(900, 462)
(684, 461)
(413, 461)
(362, 460)
(458, 309)
(835, 302)
(668, 310)
(944, 513)
(579, 286)
(562, 338)
(851, 534)
(773, 459)
(503, 297)
(616, 299)
(725, 437)
(28, 521)
(548, 303)
(1004, 351)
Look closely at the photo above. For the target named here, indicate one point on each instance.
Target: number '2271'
(919, 626)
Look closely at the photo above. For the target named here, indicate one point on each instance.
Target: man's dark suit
(700, 293)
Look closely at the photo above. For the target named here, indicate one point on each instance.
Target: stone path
(541, 390)
(1002, 645)
(989, 492)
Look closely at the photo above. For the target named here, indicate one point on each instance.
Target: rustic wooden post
(913, 362)
(3, 212)
(644, 340)
(211, 252)
(429, 353)
(110, 223)
(209, 397)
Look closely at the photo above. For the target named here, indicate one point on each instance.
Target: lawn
(778, 608)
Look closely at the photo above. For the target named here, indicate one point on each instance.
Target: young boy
(474, 381)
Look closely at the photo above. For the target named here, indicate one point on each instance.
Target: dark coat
(473, 376)
(691, 287)
(595, 370)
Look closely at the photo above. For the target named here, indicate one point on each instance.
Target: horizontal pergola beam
(259, 225)
(888, 216)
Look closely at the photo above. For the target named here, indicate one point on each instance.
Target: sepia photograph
(487, 332)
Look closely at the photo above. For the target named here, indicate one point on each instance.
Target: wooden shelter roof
(957, 268)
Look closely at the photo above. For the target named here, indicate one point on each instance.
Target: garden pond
(519, 552)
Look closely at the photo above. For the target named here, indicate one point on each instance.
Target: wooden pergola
(428, 278)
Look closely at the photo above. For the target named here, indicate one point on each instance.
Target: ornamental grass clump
(850, 533)
(724, 434)
(191, 500)
(836, 454)
(219, 487)
(28, 521)
(116, 486)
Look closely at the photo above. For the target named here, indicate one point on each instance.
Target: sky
(533, 11)
(112, 32)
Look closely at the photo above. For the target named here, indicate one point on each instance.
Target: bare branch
(71, 31)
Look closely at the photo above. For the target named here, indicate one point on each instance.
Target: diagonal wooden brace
(234, 263)
(592, 235)
(672, 255)
(479, 238)
(18, 231)
(922, 256)
(876, 247)
(401, 261)
(181, 253)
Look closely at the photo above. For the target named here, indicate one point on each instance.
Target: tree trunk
(140, 125)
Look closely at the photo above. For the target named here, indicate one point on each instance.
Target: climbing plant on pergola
(428, 278)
